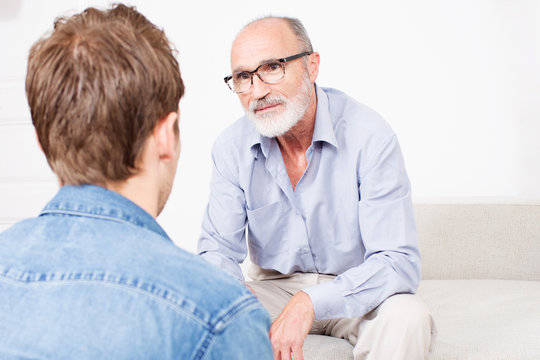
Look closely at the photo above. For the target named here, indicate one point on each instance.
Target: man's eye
(241, 76)
(271, 67)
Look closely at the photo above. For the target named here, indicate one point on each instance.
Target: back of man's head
(97, 86)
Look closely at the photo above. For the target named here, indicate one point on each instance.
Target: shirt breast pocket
(267, 230)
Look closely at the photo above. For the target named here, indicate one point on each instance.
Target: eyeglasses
(269, 73)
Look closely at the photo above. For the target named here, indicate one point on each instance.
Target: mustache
(265, 102)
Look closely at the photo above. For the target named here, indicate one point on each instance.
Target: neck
(294, 144)
(140, 190)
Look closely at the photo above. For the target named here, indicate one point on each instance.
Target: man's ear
(166, 136)
(313, 66)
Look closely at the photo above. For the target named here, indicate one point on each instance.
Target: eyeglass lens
(269, 73)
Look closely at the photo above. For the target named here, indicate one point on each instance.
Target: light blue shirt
(95, 277)
(350, 215)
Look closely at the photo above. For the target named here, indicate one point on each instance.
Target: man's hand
(289, 330)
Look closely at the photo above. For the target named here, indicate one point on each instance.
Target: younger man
(95, 276)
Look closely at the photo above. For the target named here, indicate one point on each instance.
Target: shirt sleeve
(223, 240)
(392, 260)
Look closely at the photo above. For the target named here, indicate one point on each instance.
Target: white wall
(459, 81)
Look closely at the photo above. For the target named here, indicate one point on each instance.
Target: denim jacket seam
(243, 305)
(203, 350)
(229, 314)
(166, 296)
(124, 220)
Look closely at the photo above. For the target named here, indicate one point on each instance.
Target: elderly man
(319, 181)
(95, 276)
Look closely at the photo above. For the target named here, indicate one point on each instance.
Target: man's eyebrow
(264, 61)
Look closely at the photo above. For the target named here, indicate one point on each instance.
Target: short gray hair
(295, 25)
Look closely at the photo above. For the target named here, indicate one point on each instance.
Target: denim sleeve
(392, 260)
(222, 241)
(245, 338)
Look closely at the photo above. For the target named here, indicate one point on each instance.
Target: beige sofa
(481, 280)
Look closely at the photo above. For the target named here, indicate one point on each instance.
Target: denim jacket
(95, 276)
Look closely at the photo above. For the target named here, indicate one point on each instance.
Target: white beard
(277, 123)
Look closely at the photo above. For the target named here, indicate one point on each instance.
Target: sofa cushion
(489, 241)
(321, 347)
(484, 319)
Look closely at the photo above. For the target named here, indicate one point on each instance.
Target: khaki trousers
(400, 328)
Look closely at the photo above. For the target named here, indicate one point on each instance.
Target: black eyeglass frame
(254, 72)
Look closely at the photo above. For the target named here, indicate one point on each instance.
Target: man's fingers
(289, 330)
(297, 353)
(288, 353)
(285, 354)
(279, 351)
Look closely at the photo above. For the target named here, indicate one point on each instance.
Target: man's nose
(260, 88)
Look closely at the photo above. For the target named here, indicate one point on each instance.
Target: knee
(406, 311)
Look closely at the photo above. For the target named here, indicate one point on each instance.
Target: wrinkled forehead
(261, 42)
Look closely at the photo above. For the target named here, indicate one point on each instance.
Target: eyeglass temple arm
(282, 60)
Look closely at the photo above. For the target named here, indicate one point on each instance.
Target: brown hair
(97, 87)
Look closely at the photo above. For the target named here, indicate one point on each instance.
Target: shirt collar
(96, 201)
(324, 124)
(323, 131)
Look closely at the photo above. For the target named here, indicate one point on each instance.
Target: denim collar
(98, 202)
(323, 131)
